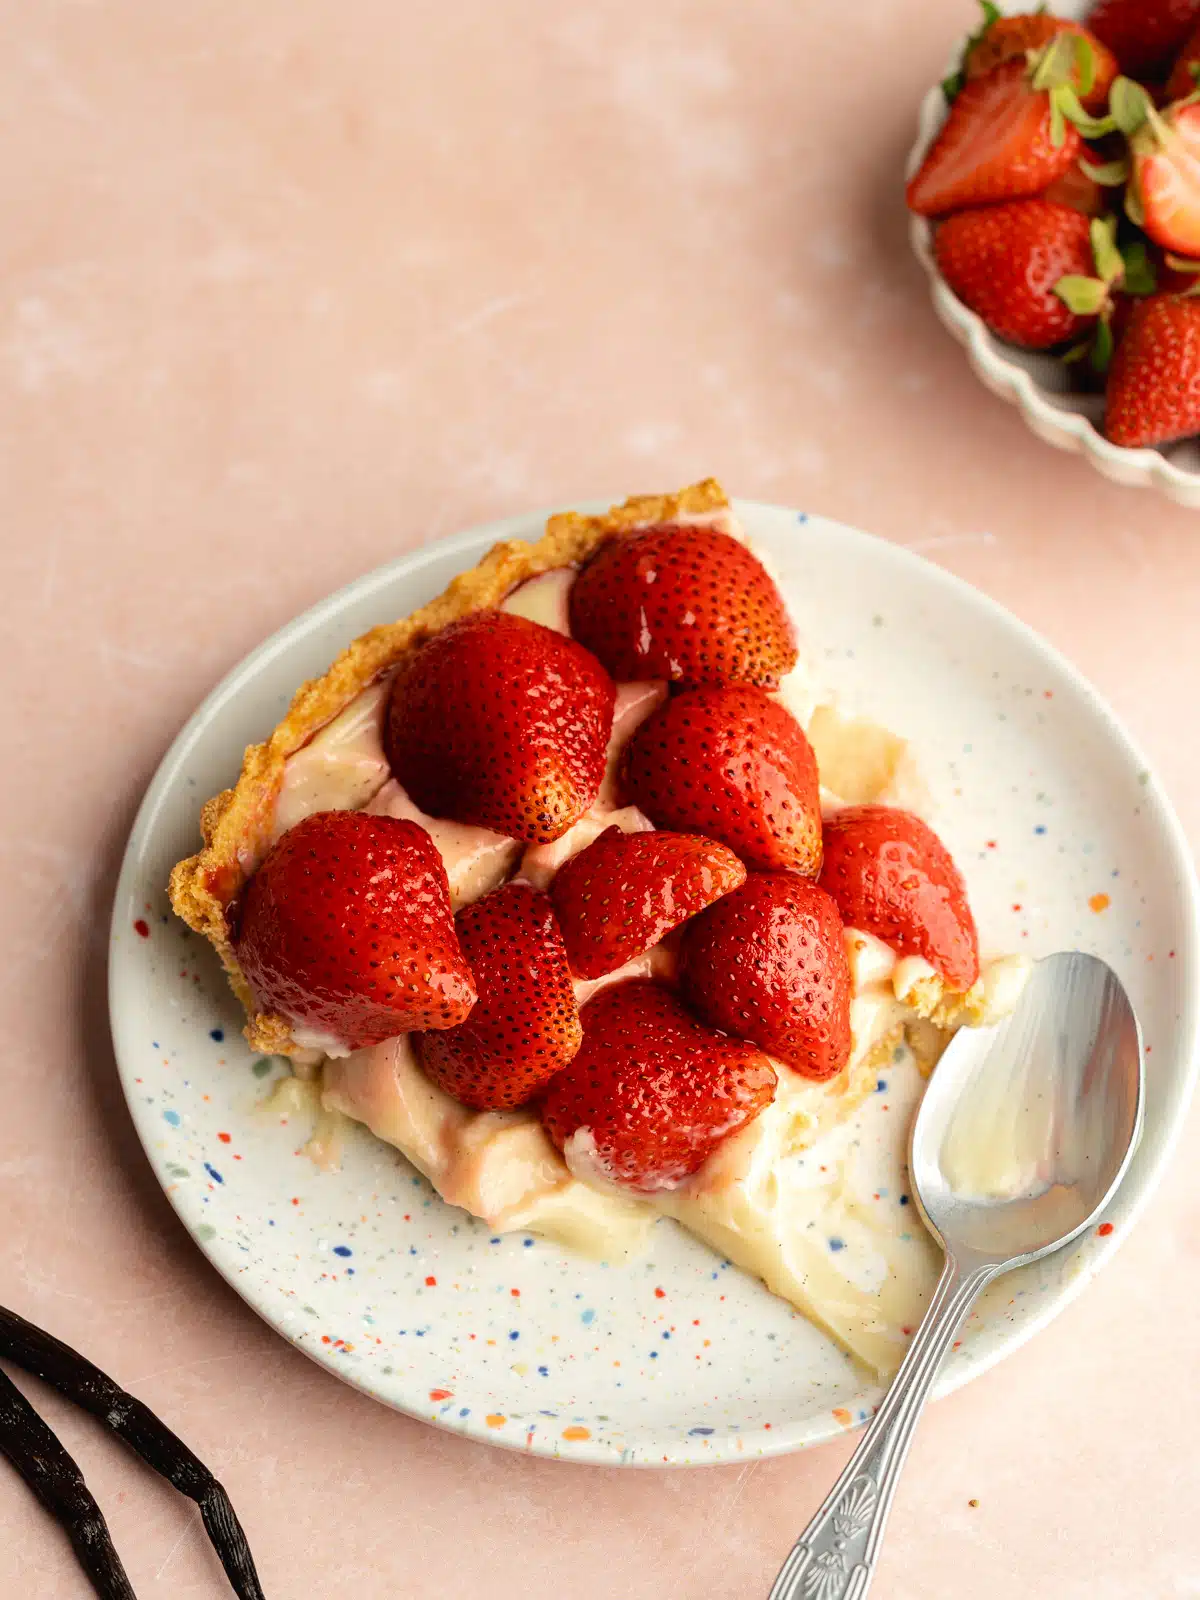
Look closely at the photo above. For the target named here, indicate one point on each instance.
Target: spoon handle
(835, 1557)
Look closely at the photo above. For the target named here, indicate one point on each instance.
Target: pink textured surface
(288, 289)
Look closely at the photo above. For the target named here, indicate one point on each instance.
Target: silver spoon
(1023, 1134)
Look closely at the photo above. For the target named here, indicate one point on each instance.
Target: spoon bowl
(1023, 1135)
(1027, 1127)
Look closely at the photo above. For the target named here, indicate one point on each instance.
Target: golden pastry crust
(236, 824)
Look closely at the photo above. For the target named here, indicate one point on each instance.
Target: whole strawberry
(525, 1026)
(733, 765)
(626, 891)
(768, 963)
(652, 1092)
(1005, 260)
(502, 723)
(893, 877)
(689, 604)
(1001, 140)
(1153, 394)
(346, 930)
(1011, 38)
(1144, 35)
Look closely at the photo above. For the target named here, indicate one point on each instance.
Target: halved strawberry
(499, 722)
(1143, 34)
(1164, 187)
(1153, 393)
(690, 604)
(768, 963)
(892, 876)
(1004, 261)
(652, 1092)
(1008, 38)
(346, 929)
(525, 1026)
(733, 765)
(1001, 140)
(626, 891)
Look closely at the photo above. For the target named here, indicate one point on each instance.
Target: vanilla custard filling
(341, 769)
(476, 859)
(807, 1196)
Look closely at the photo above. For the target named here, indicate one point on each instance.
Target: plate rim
(782, 1438)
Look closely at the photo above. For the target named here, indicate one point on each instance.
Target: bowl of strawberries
(1054, 189)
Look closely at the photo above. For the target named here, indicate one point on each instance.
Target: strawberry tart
(570, 888)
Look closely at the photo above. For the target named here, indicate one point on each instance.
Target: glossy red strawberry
(1011, 38)
(768, 963)
(1005, 260)
(525, 1026)
(1144, 35)
(1153, 393)
(652, 1092)
(734, 765)
(346, 930)
(627, 891)
(499, 722)
(893, 877)
(690, 604)
(997, 143)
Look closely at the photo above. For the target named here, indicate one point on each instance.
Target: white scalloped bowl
(1038, 385)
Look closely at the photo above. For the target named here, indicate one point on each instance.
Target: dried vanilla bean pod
(56, 1480)
(81, 1381)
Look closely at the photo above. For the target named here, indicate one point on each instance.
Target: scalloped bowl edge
(1143, 469)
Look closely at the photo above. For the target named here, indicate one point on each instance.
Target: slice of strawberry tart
(568, 887)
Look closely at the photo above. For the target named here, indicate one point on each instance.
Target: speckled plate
(1064, 837)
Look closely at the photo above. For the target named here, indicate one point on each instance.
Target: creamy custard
(341, 768)
(476, 859)
(543, 599)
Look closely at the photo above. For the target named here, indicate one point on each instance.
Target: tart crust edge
(236, 824)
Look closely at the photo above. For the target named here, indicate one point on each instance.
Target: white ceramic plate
(1037, 384)
(677, 1358)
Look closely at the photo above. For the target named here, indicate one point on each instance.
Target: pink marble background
(287, 289)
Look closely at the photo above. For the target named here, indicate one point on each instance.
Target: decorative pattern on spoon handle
(835, 1557)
